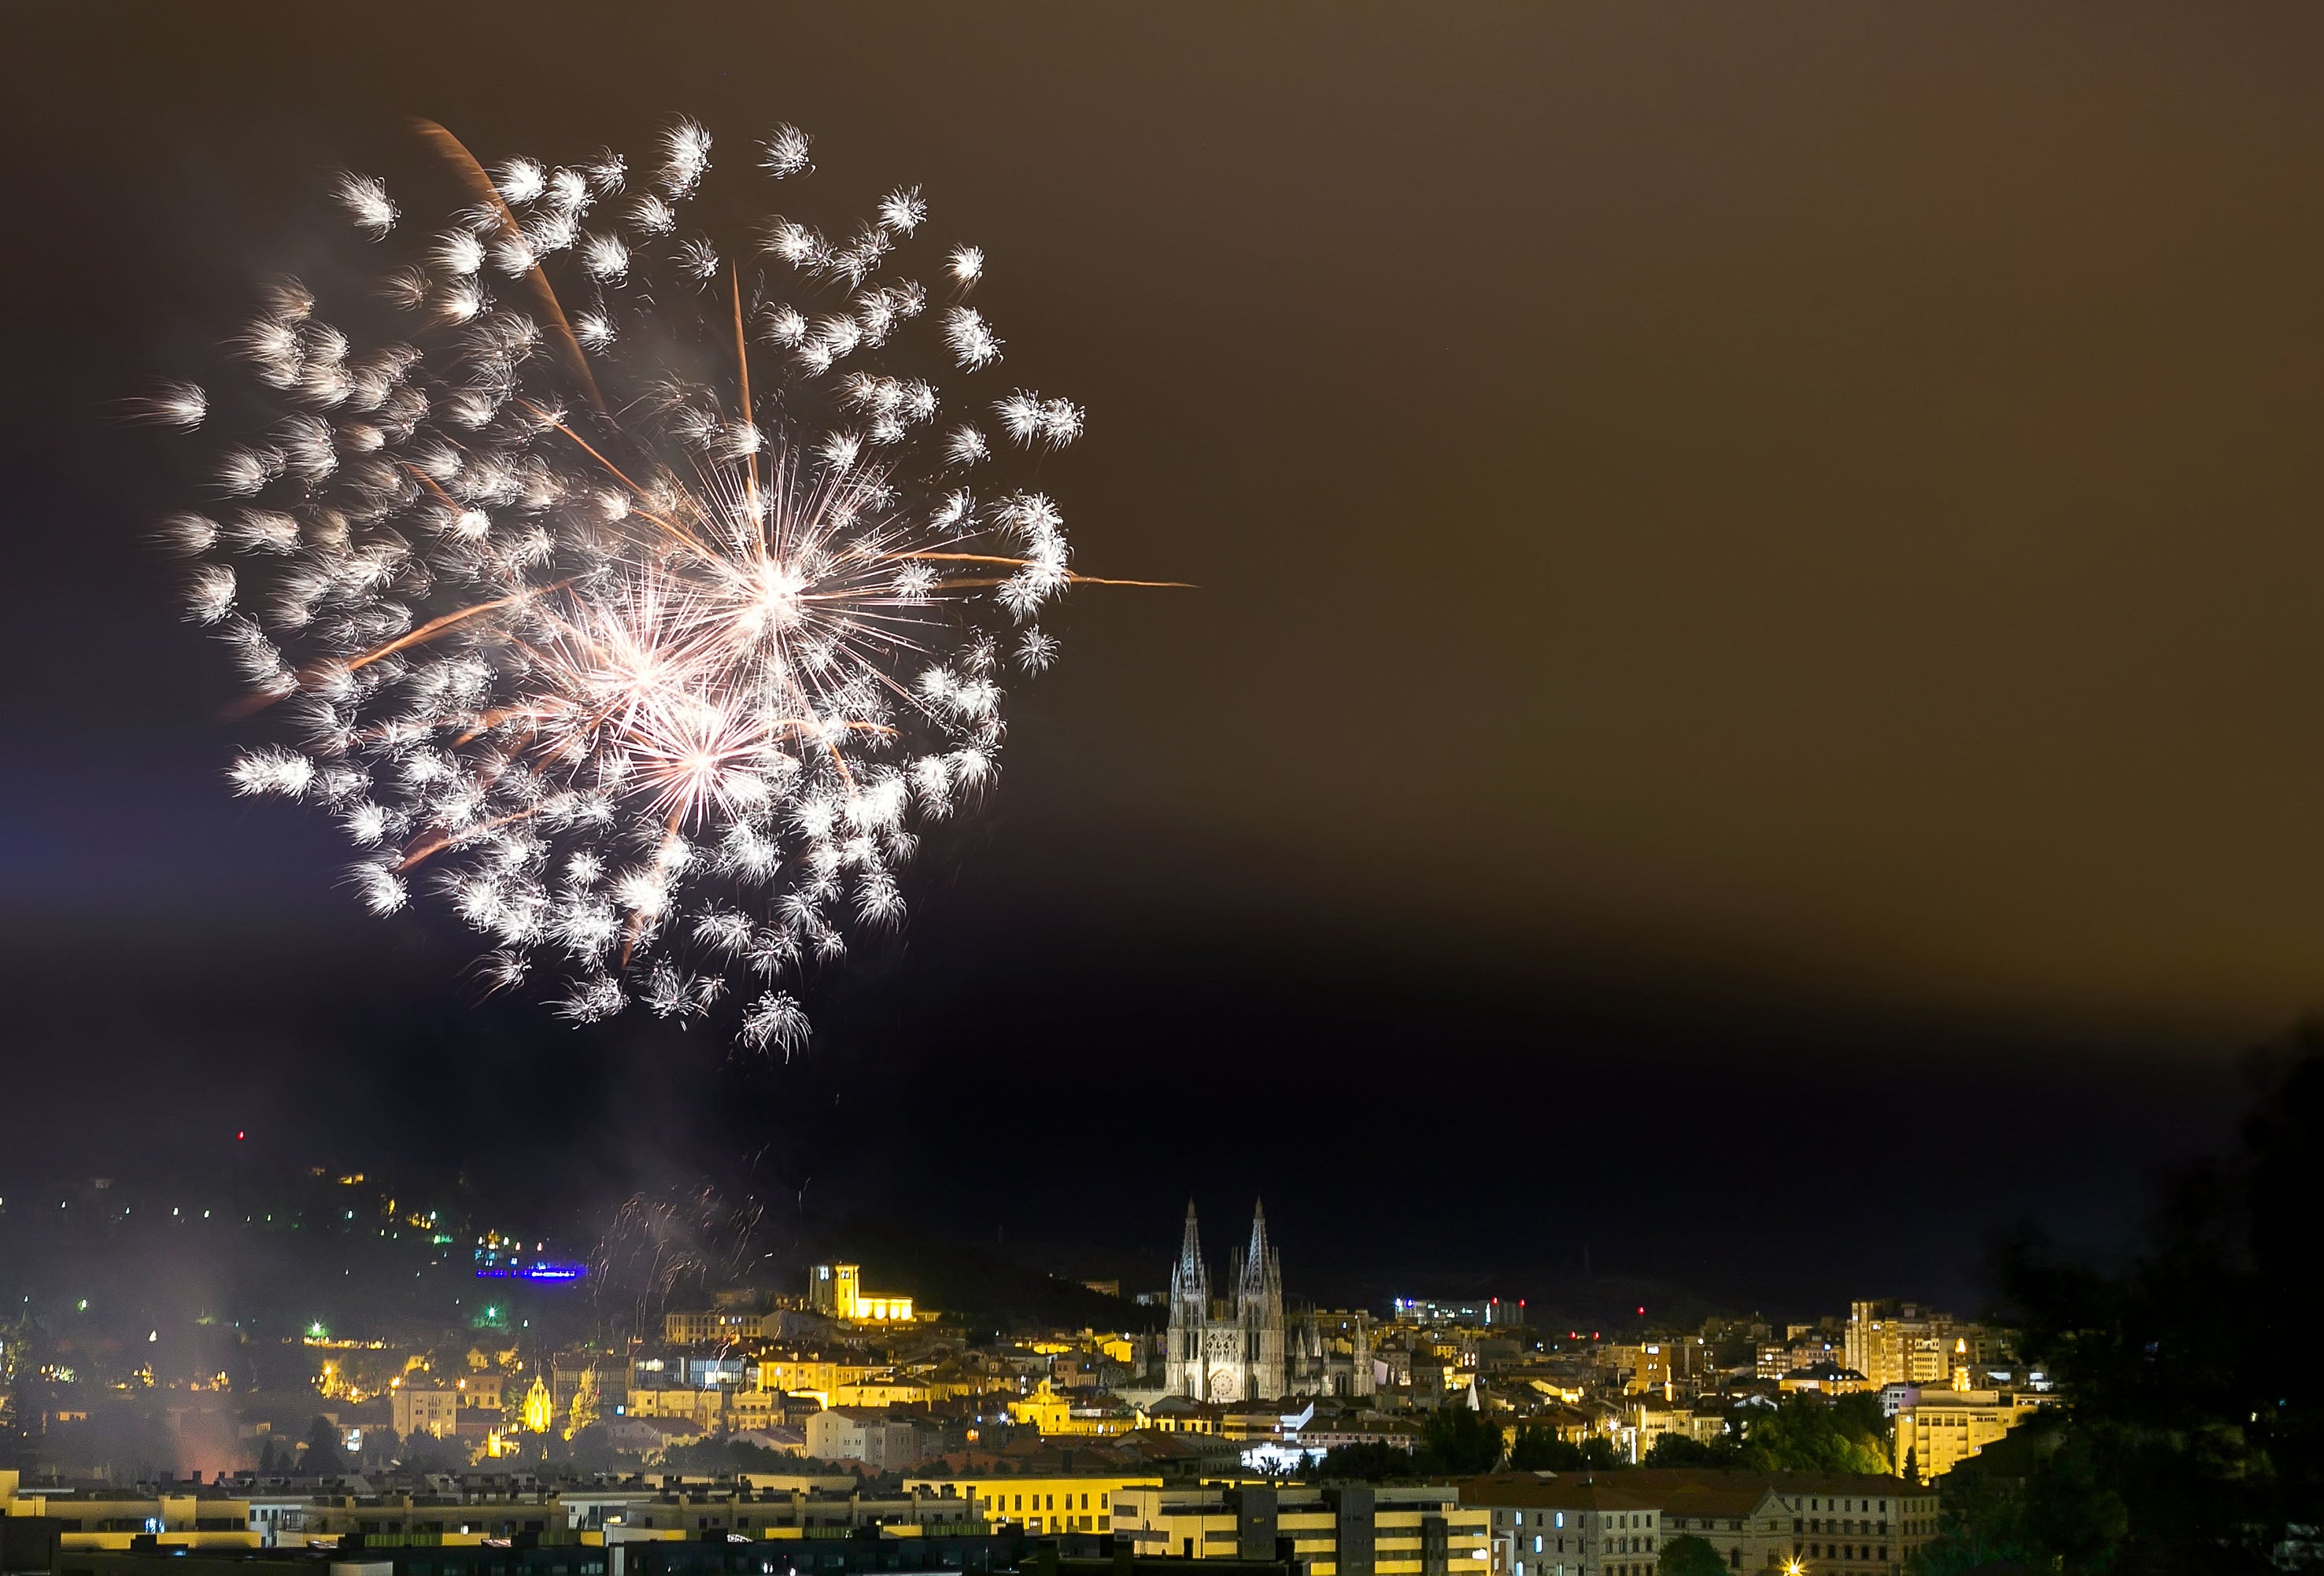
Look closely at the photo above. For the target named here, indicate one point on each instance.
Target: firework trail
(641, 595)
(659, 1242)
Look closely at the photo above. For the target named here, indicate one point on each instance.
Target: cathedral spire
(1188, 1373)
(1188, 1279)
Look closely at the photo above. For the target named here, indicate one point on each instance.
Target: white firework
(641, 623)
(364, 197)
(784, 154)
(172, 404)
(973, 342)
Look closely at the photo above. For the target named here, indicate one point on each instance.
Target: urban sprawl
(830, 1428)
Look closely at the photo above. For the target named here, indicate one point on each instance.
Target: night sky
(1752, 704)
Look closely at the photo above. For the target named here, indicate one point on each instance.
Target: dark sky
(1754, 697)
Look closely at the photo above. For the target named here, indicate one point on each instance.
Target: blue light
(542, 1269)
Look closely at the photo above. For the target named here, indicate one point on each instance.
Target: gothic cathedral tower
(1190, 1316)
(1214, 1357)
(1259, 1314)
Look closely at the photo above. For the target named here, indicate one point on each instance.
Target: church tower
(1259, 1314)
(1187, 1370)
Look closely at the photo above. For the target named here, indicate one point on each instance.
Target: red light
(239, 1135)
(1642, 1310)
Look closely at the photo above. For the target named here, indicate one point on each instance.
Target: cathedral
(1222, 1351)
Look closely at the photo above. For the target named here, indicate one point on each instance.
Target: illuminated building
(1647, 1418)
(1215, 1355)
(109, 1518)
(885, 1549)
(1045, 1409)
(716, 1325)
(863, 1433)
(1569, 1525)
(570, 1372)
(1942, 1428)
(1330, 1353)
(882, 1392)
(703, 1407)
(1617, 1524)
(1475, 1314)
(1890, 1343)
(1829, 1377)
(837, 1290)
(480, 1389)
(753, 1410)
(539, 1411)
(1349, 1530)
(811, 1375)
(1053, 1414)
(430, 1409)
(1775, 1359)
(1039, 1504)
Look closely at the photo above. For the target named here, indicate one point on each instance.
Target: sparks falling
(637, 593)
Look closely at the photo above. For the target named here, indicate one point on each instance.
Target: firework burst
(639, 594)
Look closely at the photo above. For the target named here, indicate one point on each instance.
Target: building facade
(1937, 1430)
(1351, 1529)
(836, 1291)
(1620, 1524)
(1226, 1351)
(1330, 1353)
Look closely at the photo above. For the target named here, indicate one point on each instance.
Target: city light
(547, 1270)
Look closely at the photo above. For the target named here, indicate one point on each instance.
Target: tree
(1808, 1435)
(1676, 1450)
(1688, 1555)
(2192, 1436)
(1453, 1442)
(1368, 1463)
(725, 1457)
(584, 1412)
(1462, 1442)
(322, 1458)
(590, 1451)
(424, 1453)
(1539, 1450)
(1598, 1454)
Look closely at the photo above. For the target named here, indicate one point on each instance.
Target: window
(1536, 1543)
